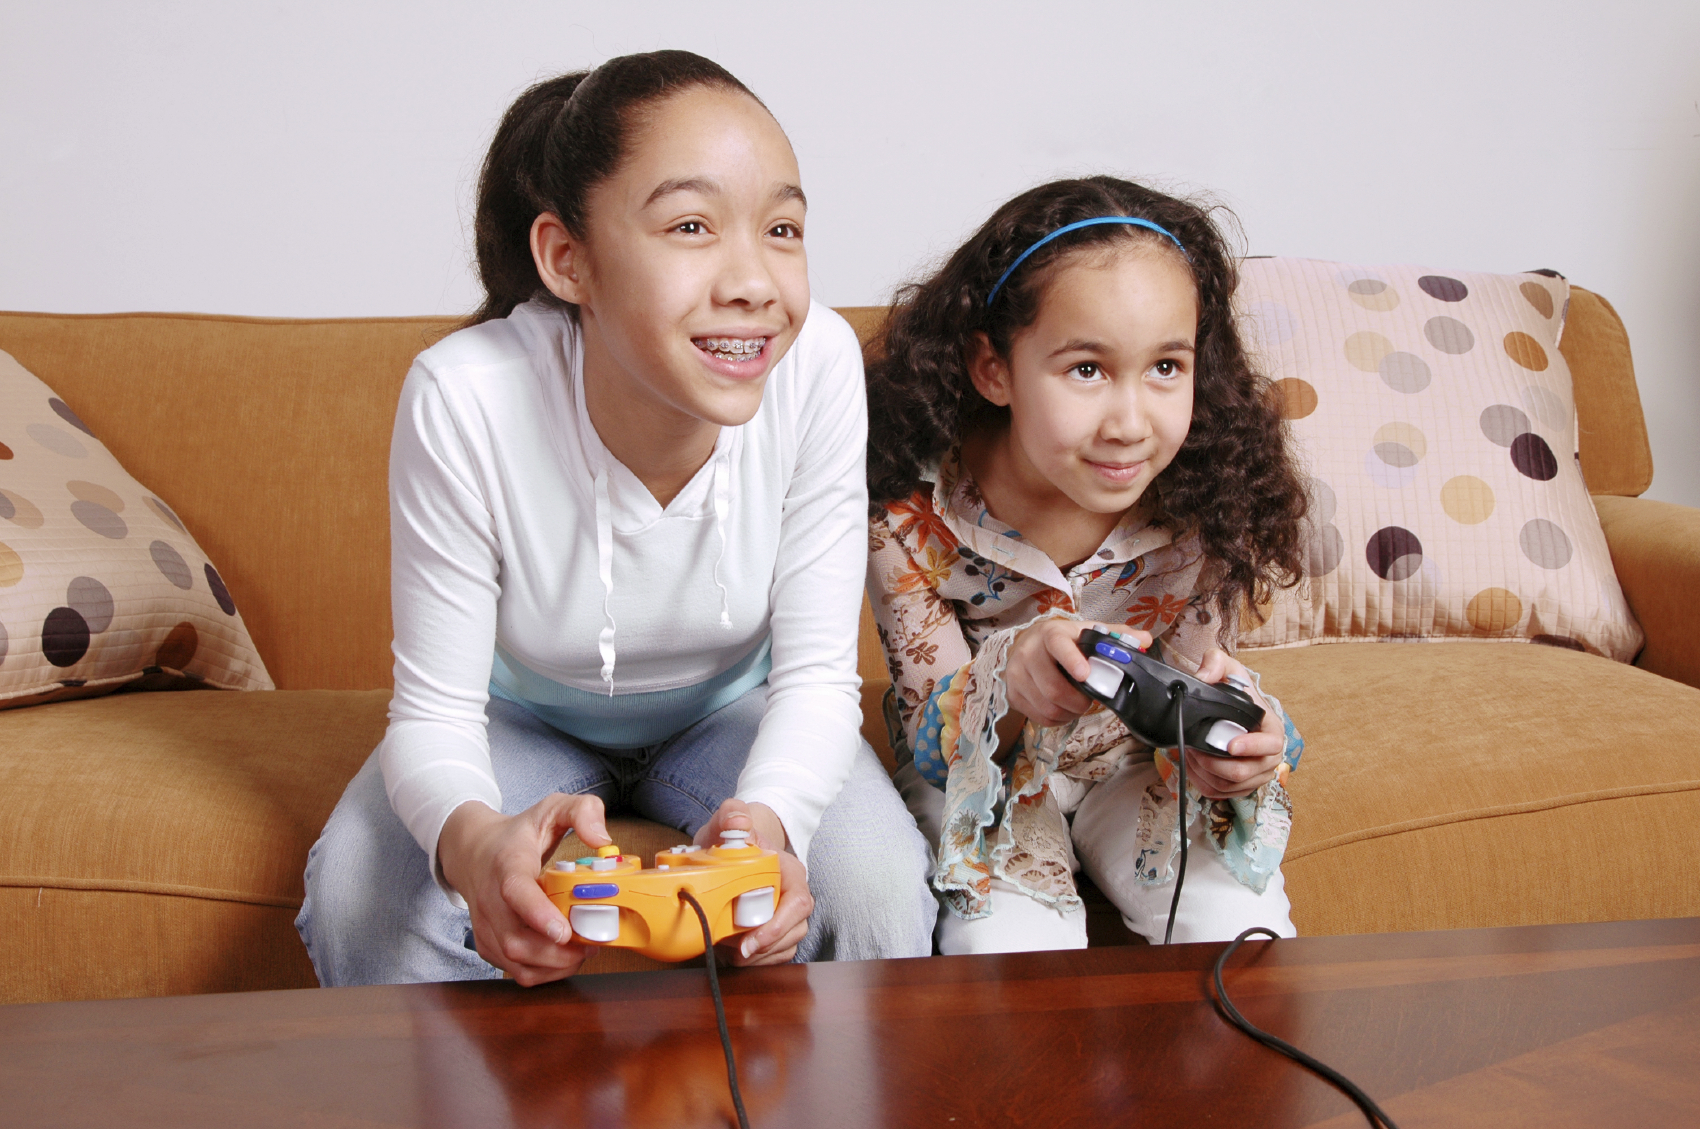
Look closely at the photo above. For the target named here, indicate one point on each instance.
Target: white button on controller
(753, 909)
(595, 923)
(1221, 733)
(1105, 678)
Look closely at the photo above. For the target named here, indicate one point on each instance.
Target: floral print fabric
(951, 586)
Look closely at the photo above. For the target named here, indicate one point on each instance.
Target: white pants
(1214, 906)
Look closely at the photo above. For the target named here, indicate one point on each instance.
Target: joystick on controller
(610, 900)
(1139, 688)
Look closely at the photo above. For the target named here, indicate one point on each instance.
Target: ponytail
(557, 141)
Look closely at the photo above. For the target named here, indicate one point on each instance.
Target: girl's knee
(1239, 908)
(364, 867)
(876, 902)
(1017, 924)
(890, 874)
(1214, 906)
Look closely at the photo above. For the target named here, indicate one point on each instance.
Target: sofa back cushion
(270, 436)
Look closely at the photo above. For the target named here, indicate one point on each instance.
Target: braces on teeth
(733, 348)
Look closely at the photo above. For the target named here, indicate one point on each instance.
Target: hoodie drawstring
(722, 505)
(605, 557)
(605, 569)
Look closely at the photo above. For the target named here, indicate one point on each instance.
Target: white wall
(317, 159)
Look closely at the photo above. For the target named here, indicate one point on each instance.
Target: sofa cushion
(1451, 786)
(1435, 415)
(153, 844)
(101, 584)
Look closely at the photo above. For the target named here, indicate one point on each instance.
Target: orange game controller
(610, 900)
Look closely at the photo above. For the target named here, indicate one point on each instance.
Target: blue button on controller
(1111, 651)
(596, 890)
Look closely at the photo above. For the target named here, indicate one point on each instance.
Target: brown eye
(786, 231)
(690, 227)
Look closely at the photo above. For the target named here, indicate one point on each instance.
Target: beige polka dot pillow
(1433, 412)
(101, 586)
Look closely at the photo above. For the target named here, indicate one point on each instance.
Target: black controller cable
(1177, 693)
(1377, 1118)
(719, 1008)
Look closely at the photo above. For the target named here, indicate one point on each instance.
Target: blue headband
(1076, 226)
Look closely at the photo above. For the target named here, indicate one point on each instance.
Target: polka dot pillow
(1434, 415)
(101, 586)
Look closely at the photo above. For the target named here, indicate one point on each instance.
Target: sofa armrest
(1655, 548)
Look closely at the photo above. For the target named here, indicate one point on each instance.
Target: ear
(988, 371)
(559, 257)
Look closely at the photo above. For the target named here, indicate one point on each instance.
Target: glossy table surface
(1582, 1025)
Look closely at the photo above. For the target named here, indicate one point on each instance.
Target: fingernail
(748, 947)
(559, 933)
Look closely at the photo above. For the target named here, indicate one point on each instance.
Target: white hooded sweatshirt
(527, 561)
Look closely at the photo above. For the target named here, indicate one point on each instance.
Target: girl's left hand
(776, 942)
(1256, 756)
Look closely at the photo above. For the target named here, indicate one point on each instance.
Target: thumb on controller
(1214, 666)
(576, 814)
(732, 815)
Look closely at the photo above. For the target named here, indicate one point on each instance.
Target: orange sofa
(152, 843)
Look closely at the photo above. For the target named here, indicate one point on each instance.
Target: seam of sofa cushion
(1525, 808)
(166, 889)
(1423, 640)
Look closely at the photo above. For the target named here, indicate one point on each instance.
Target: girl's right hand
(492, 860)
(776, 941)
(1036, 661)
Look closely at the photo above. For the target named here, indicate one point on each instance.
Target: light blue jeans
(373, 914)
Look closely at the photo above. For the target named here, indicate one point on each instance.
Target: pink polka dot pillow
(101, 586)
(1433, 412)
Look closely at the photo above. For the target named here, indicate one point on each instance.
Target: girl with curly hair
(1065, 431)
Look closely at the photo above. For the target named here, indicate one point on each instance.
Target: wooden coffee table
(1576, 1025)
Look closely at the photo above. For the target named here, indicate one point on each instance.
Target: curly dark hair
(1233, 481)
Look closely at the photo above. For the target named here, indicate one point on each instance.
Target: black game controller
(1138, 687)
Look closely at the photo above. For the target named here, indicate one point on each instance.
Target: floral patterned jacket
(951, 586)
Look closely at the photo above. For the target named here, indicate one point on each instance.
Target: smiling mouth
(731, 348)
(1120, 472)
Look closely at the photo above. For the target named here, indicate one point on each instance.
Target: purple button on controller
(596, 890)
(1111, 651)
